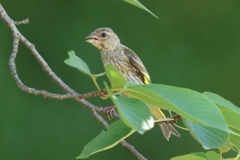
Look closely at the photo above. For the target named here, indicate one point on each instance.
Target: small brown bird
(129, 64)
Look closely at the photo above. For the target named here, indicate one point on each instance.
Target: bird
(129, 64)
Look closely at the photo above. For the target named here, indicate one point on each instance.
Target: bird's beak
(93, 39)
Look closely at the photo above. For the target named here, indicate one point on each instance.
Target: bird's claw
(109, 111)
(172, 119)
(175, 117)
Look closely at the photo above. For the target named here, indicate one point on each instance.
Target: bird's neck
(109, 55)
(111, 49)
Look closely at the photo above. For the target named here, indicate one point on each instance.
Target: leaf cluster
(211, 120)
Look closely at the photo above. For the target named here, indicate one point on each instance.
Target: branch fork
(70, 93)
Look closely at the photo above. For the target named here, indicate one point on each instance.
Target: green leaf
(138, 4)
(76, 62)
(130, 84)
(207, 136)
(235, 139)
(188, 157)
(232, 158)
(189, 104)
(226, 147)
(116, 78)
(134, 113)
(213, 155)
(200, 154)
(221, 101)
(230, 112)
(109, 93)
(115, 133)
(232, 118)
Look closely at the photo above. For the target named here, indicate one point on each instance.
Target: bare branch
(17, 36)
(131, 148)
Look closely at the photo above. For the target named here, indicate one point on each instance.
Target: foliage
(116, 132)
(211, 120)
(138, 4)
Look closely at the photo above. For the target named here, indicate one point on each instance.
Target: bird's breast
(122, 64)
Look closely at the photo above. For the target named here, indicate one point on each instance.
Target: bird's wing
(137, 65)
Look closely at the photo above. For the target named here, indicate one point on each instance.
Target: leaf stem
(95, 82)
(183, 128)
(220, 153)
(237, 157)
(162, 120)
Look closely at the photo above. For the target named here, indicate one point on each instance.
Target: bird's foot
(175, 118)
(109, 111)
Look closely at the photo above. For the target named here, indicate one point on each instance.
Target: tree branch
(70, 93)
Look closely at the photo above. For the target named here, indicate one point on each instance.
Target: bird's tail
(166, 128)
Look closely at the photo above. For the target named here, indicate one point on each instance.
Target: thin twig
(26, 21)
(131, 148)
(171, 120)
(17, 36)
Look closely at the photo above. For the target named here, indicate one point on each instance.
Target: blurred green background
(193, 44)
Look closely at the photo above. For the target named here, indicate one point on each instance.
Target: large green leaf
(134, 113)
(230, 112)
(116, 78)
(189, 104)
(115, 133)
(138, 4)
(207, 136)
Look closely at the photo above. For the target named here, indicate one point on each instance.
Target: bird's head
(104, 39)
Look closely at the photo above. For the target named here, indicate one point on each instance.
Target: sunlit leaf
(135, 113)
(115, 77)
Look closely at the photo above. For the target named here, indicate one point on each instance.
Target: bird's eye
(104, 34)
